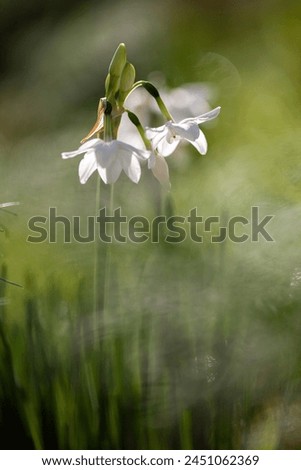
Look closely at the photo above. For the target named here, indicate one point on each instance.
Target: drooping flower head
(166, 138)
(109, 159)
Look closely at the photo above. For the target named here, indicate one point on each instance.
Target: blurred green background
(200, 344)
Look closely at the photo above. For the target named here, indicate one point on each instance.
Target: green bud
(127, 78)
(126, 81)
(118, 61)
(115, 71)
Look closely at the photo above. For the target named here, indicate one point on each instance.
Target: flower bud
(118, 61)
(115, 71)
(126, 81)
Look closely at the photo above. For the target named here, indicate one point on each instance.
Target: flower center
(171, 135)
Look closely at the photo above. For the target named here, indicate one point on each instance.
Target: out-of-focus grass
(200, 344)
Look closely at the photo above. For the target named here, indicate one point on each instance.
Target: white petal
(87, 166)
(165, 149)
(128, 157)
(151, 132)
(113, 171)
(142, 154)
(105, 158)
(109, 165)
(70, 154)
(188, 130)
(102, 173)
(90, 143)
(161, 172)
(87, 145)
(123, 147)
(151, 161)
(131, 167)
(205, 117)
(200, 144)
(156, 135)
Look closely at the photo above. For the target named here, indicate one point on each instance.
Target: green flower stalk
(152, 90)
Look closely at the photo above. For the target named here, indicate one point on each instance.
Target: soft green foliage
(200, 346)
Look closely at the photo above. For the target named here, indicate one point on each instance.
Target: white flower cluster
(113, 150)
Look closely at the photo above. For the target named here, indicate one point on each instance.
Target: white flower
(109, 159)
(128, 133)
(166, 138)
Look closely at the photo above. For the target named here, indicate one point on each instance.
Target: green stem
(152, 90)
(163, 109)
(108, 126)
(134, 120)
(108, 136)
(97, 280)
(101, 308)
(108, 257)
(96, 296)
